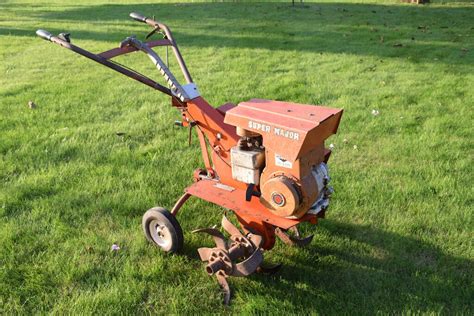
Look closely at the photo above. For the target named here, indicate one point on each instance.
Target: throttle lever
(65, 37)
(155, 30)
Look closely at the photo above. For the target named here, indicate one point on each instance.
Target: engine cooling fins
(238, 256)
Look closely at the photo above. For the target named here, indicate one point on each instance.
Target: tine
(284, 236)
(292, 241)
(269, 269)
(256, 240)
(249, 265)
(204, 253)
(219, 239)
(301, 242)
(225, 287)
(295, 230)
(229, 227)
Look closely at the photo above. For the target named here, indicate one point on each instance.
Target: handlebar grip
(44, 34)
(138, 17)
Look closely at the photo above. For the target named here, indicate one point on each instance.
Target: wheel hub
(160, 233)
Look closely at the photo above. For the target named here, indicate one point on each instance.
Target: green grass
(398, 237)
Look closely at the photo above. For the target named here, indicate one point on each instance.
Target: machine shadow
(393, 272)
(417, 33)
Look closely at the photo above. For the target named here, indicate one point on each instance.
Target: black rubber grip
(44, 34)
(138, 17)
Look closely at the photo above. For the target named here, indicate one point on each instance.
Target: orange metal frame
(214, 184)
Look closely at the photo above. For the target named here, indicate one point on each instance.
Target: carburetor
(248, 157)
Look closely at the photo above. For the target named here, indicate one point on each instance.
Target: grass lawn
(399, 234)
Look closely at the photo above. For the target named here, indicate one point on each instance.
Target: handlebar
(138, 17)
(157, 25)
(101, 60)
(60, 40)
(44, 34)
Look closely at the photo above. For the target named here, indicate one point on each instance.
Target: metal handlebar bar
(101, 60)
(44, 34)
(157, 25)
(141, 18)
(130, 45)
(138, 17)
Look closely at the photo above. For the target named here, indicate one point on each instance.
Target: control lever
(65, 37)
(251, 192)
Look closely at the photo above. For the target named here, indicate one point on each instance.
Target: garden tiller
(264, 160)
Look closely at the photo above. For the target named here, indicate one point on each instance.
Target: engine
(281, 151)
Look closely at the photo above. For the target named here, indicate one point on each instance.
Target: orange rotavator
(264, 160)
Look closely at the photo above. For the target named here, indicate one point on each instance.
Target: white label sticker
(282, 162)
(224, 187)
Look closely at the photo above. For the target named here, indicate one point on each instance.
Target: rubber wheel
(162, 229)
